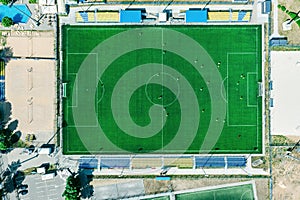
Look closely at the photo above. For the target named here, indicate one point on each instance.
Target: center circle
(163, 96)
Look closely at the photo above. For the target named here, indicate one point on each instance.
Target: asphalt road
(44, 190)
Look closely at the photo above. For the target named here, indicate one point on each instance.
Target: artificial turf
(244, 192)
(237, 48)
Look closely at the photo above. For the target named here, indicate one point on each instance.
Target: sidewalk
(27, 161)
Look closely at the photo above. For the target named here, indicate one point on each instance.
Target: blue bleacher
(2, 77)
(2, 91)
(271, 85)
(271, 102)
(236, 161)
(84, 16)
(115, 162)
(241, 15)
(210, 161)
(88, 163)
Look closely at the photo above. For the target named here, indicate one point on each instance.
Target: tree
(72, 188)
(8, 135)
(7, 139)
(6, 54)
(5, 2)
(7, 21)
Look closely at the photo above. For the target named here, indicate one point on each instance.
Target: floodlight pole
(207, 4)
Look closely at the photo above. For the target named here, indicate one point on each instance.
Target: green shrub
(292, 15)
(32, 1)
(5, 2)
(283, 8)
(7, 21)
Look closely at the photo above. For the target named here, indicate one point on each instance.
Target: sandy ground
(31, 83)
(103, 182)
(168, 1)
(31, 44)
(30, 87)
(293, 35)
(286, 173)
(285, 76)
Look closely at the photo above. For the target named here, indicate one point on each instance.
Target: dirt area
(30, 81)
(293, 35)
(293, 138)
(286, 173)
(102, 182)
(168, 1)
(30, 88)
(30, 43)
(153, 187)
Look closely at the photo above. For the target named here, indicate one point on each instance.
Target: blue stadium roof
(209, 161)
(280, 41)
(236, 161)
(196, 16)
(88, 163)
(115, 162)
(130, 16)
(266, 7)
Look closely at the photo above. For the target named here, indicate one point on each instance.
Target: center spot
(162, 89)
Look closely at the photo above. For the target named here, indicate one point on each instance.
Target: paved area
(285, 67)
(26, 160)
(43, 190)
(275, 19)
(176, 9)
(46, 21)
(176, 171)
(257, 16)
(120, 190)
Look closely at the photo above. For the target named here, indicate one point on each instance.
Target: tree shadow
(18, 178)
(46, 166)
(12, 177)
(85, 176)
(5, 114)
(15, 137)
(12, 126)
(6, 54)
(8, 184)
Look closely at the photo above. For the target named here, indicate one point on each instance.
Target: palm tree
(7, 21)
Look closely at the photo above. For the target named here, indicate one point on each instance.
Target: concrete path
(70, 19)
(27, 161)
(275, 19)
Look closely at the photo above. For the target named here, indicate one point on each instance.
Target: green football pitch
(241, 192)
(162, 89)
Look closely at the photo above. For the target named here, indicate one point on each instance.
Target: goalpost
(64, 90)
(260, 89)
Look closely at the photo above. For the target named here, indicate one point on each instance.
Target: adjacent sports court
(233, 191)
(168, 89)
(241, 192)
